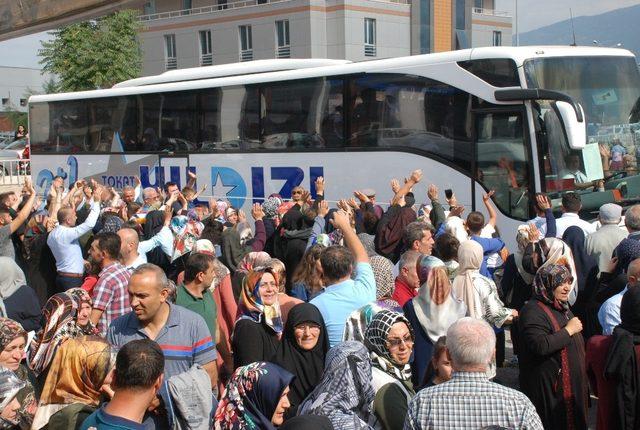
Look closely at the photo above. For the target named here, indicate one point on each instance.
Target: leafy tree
(94, 54)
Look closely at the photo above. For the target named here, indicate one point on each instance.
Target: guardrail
(14, 172)
(225, 6)
(491, 12)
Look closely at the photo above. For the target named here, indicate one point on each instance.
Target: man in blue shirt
(136, 380)
(343, 294)
(609, 313)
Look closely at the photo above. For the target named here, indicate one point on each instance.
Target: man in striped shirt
(469, 400)
(182, 334)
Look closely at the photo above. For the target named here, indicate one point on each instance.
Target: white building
(179, 34)
(17, 84)
(490, 27)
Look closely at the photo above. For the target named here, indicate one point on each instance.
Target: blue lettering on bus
(230, 178)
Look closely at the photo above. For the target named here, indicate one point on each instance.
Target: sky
(532, 14)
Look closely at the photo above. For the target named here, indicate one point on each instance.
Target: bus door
(175, 167)
(502, 163)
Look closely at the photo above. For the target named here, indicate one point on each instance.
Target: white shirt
(164, 239)
(569, 219)
(609, 313)
(63, 242)
(142, 259)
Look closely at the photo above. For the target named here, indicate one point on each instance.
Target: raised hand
(395, 185)
(416, 176)
(360, 196)
(319, 185)
(341, 220)
(323, 208)
(257, 212)
(488, 196)
(432, 192)
(543, 202)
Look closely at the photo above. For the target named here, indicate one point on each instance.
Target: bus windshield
(608, 89)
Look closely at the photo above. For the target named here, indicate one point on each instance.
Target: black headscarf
(622, 366)
(154, 221)
(307, 366)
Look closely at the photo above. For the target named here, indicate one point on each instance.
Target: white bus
(515, 120)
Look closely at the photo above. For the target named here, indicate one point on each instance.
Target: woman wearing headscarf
(587, 272)
(255, 398)
(18, 301)
(612, 366)
(302, 352)
(551, 357)
(385, 282)
(10, 386)
(547, 252)
(257, 332)
(13, 339)
(345, 394)
(248, 263)
(271, 221)
(431, 313)
(286, 301)
(66, 317)
(390, 342)
(76, 376)
(238, 240)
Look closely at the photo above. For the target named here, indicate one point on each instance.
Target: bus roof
(234, 69)
(389, 65)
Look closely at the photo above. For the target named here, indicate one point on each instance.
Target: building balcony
(490, 12)
(234, 4)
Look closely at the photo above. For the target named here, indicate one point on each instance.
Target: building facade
(17, 84)
(178, 34)
(490, 27)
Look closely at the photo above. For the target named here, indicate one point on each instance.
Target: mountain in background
(609, 29)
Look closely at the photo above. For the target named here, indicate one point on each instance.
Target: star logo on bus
(227, 183)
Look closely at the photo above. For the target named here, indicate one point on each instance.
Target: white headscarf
(470, 258)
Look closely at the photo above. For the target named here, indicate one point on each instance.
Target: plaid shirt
(110, 295)
(470, 401)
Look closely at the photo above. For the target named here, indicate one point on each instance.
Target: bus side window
(503, 162)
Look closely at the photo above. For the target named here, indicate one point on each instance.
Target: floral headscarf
(10, 330)
(547, 280)
(345, 394)
(270, 207)
(186, 232)
(253, 260)
(60, 313)
(251, 304)
(251, 397)
(376, 341)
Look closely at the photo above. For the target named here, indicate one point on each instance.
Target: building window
(23, 102)
(460, 15)
(246, 44)
(187, 4)
(222, 4)
(170, 51)
(497, 38)
(5, 101)
(149, 7)
(206, 53)
(369, 37)
(283, 45)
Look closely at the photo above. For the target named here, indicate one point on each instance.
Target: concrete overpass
(22, 17)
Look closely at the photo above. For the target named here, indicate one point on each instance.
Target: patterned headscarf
(369, 243)
(76, 375)
(10, 384)
(547, 280)
(253, 260)
(385, 282)
(112, 224)
(186, 232)
(376, 340)
(60, 313)
(222, 210)
(270, 207)
(345, 394)
(251, 304)
(10, 330)
(251, 397)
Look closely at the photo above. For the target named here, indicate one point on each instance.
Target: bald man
(129, 255)
(609, 313)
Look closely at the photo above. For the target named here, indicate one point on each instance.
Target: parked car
(16, 150)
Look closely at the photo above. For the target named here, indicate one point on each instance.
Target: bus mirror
(576, 130)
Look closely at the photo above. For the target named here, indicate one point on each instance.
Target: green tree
(94, 54)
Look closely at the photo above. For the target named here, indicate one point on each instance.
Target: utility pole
(573, 30)
(517, 33)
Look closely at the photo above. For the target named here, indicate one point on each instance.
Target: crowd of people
(151, 308)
